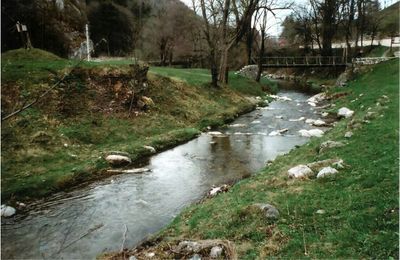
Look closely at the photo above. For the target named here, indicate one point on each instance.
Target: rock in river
(7, 211)
(311, 133)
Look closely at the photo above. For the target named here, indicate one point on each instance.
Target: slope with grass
(60, 142)
(360, 203)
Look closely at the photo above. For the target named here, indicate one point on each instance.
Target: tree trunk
(249, 44)
(214, 69)
(328, 27)
(261, 56)
(223, 75)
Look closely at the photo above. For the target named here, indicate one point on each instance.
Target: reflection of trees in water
(227, 160)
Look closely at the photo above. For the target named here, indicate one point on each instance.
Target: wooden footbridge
(319, 61)
(305, 61)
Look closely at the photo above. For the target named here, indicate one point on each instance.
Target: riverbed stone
(300, 171)
(216, 252)
(118, 160)
(330, 144)
(317, 98)
(137, 170)
(238, 125)
(326, 171)
(311, 133)
(7, 211)
(319, 122)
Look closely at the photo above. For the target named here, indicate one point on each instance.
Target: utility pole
(87, 42)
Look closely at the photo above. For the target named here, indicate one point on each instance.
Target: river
(84, 223)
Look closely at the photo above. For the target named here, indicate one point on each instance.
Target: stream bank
(147, 202)
(352, 214)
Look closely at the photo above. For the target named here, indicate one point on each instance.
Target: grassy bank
(360, 203)
(61, 141)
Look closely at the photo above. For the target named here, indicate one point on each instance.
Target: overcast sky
(274, 23)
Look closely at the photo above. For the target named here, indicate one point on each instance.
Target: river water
(86, 222)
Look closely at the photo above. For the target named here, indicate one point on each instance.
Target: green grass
(361, 202)
(72, 144)
(202, 77)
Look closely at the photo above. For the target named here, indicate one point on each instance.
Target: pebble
(216, 252)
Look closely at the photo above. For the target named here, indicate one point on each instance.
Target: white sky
(274, 23)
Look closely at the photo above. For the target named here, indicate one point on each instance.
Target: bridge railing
(304, 61)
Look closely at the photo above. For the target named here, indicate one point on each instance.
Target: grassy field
(200, 77)
(360, 203)
(60, 143)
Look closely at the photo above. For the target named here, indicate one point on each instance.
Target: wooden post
(87, 42)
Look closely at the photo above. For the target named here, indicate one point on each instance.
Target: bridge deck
(305, 61)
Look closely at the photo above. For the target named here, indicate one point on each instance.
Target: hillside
(390, 17)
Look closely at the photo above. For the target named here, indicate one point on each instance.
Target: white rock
(278, 132)
(279, 117)
(256, 122)
(115, 159)
(285, 98)
(7, 211)
(137, 170)
(330, 144)
(21, 204)
(151, 254)
(326, 171)
(311, 133)
(318, 165)
(150, 148)
(195, 257)
(214, 133)
(316, 132)
(348, 134)
(274, 133)
(217, 190)
(317, 98)
(238, 125)
(320, 211)
(300, 171)
(310, 121)
(324, 114)
(319, 123)
(132, 257)
(338, 165)
(298, 119)
(216, 252)
(312, 104)
(345, 112)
